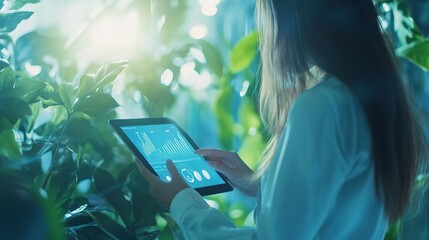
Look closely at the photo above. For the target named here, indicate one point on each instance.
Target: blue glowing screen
(160, 142)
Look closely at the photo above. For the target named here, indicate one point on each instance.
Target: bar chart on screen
(173, 145)
(157, 143)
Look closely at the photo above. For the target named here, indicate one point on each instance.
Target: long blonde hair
(342, 37)
(278, 86)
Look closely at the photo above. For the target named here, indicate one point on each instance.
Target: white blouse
(320, 184)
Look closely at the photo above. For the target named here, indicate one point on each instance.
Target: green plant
(412, 44)
(54, 133)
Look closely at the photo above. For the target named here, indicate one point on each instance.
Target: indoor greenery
(54, 138)
(71, 160)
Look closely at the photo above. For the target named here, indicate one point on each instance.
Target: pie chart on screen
(188, 175)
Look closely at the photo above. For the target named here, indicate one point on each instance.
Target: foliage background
(65, 67)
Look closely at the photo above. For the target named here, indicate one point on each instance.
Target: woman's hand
(231, 165)
(164, 192)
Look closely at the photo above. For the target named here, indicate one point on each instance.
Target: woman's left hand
(164, 192)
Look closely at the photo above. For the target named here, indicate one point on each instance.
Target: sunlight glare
(116, 35)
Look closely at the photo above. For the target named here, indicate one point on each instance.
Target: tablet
(154, 140)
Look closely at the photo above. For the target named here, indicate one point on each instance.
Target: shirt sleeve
(304, 179)
(200, 221)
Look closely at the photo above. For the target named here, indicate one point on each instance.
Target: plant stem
(57, 149)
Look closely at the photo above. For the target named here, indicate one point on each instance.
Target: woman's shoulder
(330, 93)
(332, 101)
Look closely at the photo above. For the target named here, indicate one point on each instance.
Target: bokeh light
(199, 31)
(209, 10)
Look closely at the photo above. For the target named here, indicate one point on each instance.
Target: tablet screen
(160, 142)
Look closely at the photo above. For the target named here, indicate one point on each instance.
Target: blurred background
(193, 61)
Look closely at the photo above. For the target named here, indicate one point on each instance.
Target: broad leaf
(7, 78)
(4, 123)
(13, 107)
(95, 105)
(29, 89)
(405, 27)
(417, 52)
(17, 4)
(213, 57)
(9, 21)
(36, 150)
(244, 52)
(78, 204)
(50, 96)
(110, 227)
(86, 85)
(3, 62)
(65, 94)
(62, 185)
(111, 190)
(144, 207)
(8, 145)
(224, 116)
(109, 72)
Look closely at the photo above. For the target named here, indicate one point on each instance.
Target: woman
(345, 146)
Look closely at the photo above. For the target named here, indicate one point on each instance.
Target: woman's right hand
(231, 165)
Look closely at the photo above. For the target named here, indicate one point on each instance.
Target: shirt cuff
(184, 200)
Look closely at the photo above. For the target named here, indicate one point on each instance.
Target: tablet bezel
(118, 123)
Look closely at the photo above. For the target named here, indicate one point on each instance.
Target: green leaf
(29, 89)
(13, 107)
(252, 148)
(3, 62)
(244, 52)
(249, 116)
(78, 204)
(35, 109)
(213, 57)
(62, 185)
(80, 129)
(37, 148)
(172, 230)
(85, 86)
(65, 94)
(5, 123)
(394, 231)
(8, 145)
(17, 4)
(110, 227)
(108, 73)
(96, 104)
(405, 27)
(111, 190)
(9, 21)
(7, 78)
(50, 96)
(145, 208)
(224, 116)
(417, 52)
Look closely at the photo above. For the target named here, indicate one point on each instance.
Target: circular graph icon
(206, 174)
(188, 175)
(198, 176)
